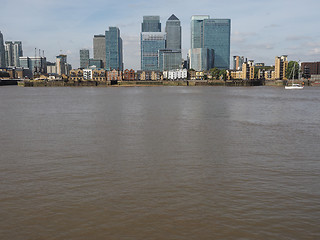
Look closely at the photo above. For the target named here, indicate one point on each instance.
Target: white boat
(293, 85)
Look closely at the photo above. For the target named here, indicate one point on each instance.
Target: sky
(260, 29)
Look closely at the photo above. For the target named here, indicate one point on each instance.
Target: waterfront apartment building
(13, 51)
(237, 62)
(280, 67)
(99, 48)
(129, 75)
(248, 70)
(212, 34)
(61, 64)
(84, 58)
(310, 68)
(2, 52)
(114, 54)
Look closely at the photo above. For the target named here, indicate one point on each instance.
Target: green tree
(223, 74)
(293, 68)
(215, 72)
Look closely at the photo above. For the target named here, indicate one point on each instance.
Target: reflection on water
(159, 163)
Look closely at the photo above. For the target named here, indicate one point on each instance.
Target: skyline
(259, 31)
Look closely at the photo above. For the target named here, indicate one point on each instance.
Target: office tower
(201, 58)
(197, 30)
(2, 52)
(171, 57)
(280, 67)
(61, 64)
(237, 62)
(13, 51)
(9, 53)
(216, 35)
(151, 43)
(114, 55)
(99, 48)
(212, 34)
(151, 24)
(173, 31)
(36, 65)
(17, 53)
(84, 58)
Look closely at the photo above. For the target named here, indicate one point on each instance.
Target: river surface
(159, 163)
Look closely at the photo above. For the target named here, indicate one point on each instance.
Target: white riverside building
(179, 74)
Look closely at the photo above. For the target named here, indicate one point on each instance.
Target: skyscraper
(216, 35)
(99, 48)
(173, 31)
(171, 57)
(114, 55)
(13, 51)
(212, 34)
(151, 24)
(2, 52)
(84, 58)
(17, 53)
(151, 41)
(61, 64)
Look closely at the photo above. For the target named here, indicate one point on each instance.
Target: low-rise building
(114, 75)
(129, 75)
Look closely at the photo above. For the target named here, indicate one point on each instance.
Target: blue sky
(260, 30)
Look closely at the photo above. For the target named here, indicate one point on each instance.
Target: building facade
(280, 67)
(61, 64)
(151, 43)
(36, 65)
(201, 59)
(173, 31)
(237, 62)
(151, 24)
(169, 59)
(129, 75)
(13, 51)
(310, 68)
(99, 48)
(114, 55)
(2, 52)
(212, 34)
(84, 58)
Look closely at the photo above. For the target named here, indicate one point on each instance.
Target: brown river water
(159, 163)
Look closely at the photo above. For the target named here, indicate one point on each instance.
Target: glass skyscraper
(99, 48)
(173, 30)
(2, 52)
(151, 24)
(13, 50)
(213, 35)
(216, 35)
(151, 43)
(84, 58)
(114, 55)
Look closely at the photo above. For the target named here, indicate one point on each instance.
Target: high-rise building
(2, 52)
(36, 65)
(84, 58)
(197, 30)
(173, 31)
(151, 24)
(61, 64)
(280, 67)
(216, 35)
(237, 62)
(212, 34)
(13, 51)
(201, 58)
(99, 48)
(9, 53)
(151, 43)
(114, 55)
(171, 57)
